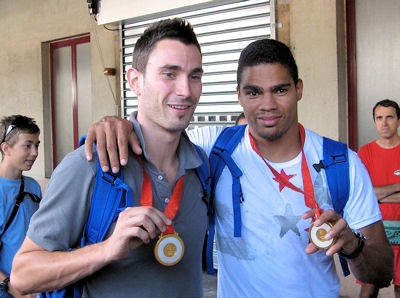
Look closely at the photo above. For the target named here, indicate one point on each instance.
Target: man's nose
(35, 151)
(268, 101)
(183, 87)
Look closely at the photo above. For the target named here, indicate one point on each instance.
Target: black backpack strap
(18, 201)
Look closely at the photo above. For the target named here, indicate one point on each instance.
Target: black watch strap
(357, 251)
(4, 285)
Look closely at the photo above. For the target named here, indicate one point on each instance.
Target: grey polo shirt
(63, 212)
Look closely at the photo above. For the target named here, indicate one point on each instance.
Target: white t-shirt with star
(269, 259)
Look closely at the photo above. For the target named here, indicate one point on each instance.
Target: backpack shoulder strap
(220, 157)
(336, 165)
(110, 196)
(203, 172)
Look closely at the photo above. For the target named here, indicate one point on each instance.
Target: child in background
(19, 148)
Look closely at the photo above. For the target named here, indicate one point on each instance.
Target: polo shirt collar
(187, 154)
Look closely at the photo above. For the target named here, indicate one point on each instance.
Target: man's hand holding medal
(331, 232)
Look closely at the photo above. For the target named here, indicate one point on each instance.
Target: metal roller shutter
(223, 30)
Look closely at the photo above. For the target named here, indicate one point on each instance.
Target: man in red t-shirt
(382, 160)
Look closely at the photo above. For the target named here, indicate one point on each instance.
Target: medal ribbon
(146, 198)
(309, 196)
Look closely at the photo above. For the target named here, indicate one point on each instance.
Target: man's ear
(4, 148)
(135, 80)
(238, 95)
(299, 89)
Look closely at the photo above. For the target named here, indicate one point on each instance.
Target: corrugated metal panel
(223, 31)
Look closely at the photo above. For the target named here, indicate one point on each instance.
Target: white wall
(117, 10)
(378, 60)
(313, 40)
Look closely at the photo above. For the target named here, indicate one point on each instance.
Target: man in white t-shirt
(274, 257)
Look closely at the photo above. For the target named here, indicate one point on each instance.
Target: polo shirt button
(160, 177)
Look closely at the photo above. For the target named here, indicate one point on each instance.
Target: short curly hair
(267, 51)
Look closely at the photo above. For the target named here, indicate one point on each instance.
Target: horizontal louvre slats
(223, 31)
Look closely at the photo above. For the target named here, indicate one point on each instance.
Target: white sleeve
(205, 136)
(362, 207)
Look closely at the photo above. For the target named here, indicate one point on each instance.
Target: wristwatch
(4, 285)
(357, 251)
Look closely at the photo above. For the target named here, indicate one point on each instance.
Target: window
(223, 30)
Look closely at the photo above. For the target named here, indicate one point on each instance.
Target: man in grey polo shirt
(166, 77)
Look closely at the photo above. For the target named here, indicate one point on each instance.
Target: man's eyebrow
(177, 67)
(197, 69)
(279, 86)
(171, 67)
(252, 87)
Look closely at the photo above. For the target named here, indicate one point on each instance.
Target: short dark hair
(387, 103)
(267, 51)
(177, 28)
(241, 116)
(11, 126)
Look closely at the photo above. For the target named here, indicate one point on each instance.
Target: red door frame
(72, 43)
(351, 74)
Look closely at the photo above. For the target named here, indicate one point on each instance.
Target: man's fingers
(340, 231)
(311, 248)
(111, 146)
(308, 214)
(155, 219)
(122, 139)
(138, 232)
(101, 151)
(113, 135)
(135, 144)
(147, 217)
(335, 248)
(126, 136)
(90, 138)
(337, 229)
(327, 216)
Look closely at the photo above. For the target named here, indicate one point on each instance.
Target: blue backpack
(335, 163)
(110, 197)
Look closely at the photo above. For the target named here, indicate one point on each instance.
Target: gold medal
(317, 236)
(169, 249)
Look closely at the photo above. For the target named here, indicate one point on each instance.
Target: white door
(71, 94)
